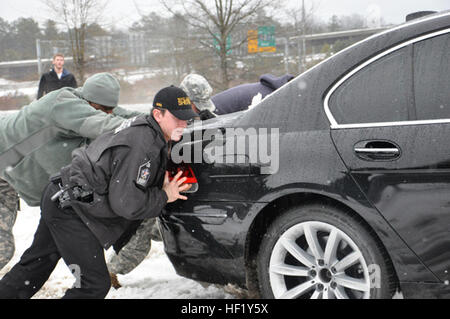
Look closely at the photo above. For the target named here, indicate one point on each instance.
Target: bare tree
(76, 15)
(218, 18)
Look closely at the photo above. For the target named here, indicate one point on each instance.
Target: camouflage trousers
(135, 251)
(8, 213)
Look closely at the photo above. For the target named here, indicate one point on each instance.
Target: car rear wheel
(320, 252)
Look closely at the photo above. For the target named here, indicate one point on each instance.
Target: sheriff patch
(125, 124)
(143, 174)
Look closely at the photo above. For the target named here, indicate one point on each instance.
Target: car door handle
(377, 150)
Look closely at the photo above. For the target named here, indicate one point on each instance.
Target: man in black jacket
(101, 198)
(199, 91)
(57, 78)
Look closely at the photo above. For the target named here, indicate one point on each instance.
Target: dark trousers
(60, 234)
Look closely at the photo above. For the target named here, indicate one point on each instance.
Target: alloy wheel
(319, 261)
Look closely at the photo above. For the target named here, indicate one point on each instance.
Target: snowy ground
(154, 278)
(28, 88)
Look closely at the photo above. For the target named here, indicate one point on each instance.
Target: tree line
(18, 38)
(195, 37)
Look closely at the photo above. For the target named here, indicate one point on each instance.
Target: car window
(379, 92)
(432, 78)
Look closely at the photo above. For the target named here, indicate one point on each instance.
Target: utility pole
(286, 54)
(38, 54)
(303, 63)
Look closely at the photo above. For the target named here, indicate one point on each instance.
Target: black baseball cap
(176, 101)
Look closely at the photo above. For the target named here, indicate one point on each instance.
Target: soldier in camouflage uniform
(8, 213)
(199, 91)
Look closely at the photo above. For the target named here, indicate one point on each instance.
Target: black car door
(391, 125)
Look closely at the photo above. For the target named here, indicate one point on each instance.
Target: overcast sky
(122, 13)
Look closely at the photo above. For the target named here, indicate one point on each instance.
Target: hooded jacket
(124, 169)
(50, 82)
(239, 98)
(39, 139)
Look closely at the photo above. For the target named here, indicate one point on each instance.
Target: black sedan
(337, 185)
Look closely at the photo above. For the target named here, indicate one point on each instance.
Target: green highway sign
(261, 40)
(266, 36)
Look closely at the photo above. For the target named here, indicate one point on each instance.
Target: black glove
(206, 115)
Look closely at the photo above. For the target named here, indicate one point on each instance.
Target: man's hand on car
(175, 187)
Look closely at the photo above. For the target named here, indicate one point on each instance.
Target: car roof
(299, 103)
(412, 28)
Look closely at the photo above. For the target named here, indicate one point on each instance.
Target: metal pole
(286, 55)
(299, 52)
(38, 54)
(304, 33)
(131, 48)
(304, 55)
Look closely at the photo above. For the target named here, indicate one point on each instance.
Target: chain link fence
(103, 52)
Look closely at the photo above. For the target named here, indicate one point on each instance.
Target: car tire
(320, 252)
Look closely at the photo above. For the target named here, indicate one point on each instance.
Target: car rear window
(379, 92)
(432, 78)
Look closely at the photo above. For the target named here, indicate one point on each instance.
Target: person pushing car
(99, 200)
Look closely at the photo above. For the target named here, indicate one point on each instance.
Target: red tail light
(174, 169)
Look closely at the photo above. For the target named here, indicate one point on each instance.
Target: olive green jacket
(39, 139)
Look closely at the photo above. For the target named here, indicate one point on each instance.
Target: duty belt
(64, 198)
